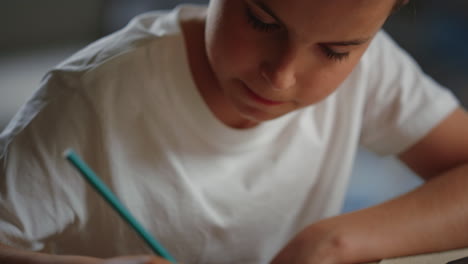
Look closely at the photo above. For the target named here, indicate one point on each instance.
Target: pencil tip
(67, 153)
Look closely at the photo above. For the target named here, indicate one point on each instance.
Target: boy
(229, 132)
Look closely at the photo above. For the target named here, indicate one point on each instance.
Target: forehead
(338, 19)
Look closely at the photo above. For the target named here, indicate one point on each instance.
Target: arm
(9, 255)
(434, 217)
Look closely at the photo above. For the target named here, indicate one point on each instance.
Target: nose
(281, 71)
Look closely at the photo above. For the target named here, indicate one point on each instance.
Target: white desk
(433, 258)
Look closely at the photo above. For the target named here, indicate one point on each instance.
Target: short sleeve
(402, 104)
(40, 195)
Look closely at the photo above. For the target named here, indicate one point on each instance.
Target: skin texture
(289, 64)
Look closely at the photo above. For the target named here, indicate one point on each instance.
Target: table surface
(433, 258)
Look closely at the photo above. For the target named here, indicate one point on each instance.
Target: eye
(333, 55)
(258, 24)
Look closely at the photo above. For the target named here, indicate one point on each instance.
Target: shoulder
(140, 31)
(385, 58)
(400, 103)
(141, 46)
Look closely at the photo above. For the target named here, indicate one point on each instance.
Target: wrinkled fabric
(129, 107)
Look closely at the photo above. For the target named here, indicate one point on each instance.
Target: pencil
(110, 197)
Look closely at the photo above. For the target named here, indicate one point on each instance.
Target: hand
(136, 260)
(143, 259)
(10, 255)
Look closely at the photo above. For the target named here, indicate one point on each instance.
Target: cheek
(233, 52)
(319, 84)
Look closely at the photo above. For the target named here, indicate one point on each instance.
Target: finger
(157, 260)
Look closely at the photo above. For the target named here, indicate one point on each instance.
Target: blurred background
(37, 34)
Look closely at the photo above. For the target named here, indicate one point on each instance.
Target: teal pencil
(110, 197)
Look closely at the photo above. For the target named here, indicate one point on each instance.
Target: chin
(257, 115)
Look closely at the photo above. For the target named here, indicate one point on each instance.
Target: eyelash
(259, 25)
(333, 55)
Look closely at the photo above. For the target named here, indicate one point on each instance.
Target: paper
(433, 258)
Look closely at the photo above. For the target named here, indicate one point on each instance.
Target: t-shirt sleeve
(403, 104)
(40, 194)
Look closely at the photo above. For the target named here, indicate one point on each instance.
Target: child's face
(274, 56)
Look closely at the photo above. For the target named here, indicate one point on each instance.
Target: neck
(205, 78)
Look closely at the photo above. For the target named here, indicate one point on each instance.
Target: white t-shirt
(209, 193)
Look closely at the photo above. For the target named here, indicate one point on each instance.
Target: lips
(259, 99)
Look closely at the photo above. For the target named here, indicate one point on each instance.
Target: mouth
(259, 99)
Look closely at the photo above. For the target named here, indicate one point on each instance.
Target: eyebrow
(355, 42)
(347, 43)
(267, 9)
